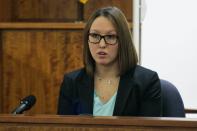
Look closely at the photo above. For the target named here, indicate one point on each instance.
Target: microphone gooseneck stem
(19, 109)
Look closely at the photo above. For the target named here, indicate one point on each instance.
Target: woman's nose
(102, 43)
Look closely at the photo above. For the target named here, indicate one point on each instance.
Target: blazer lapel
(86, 94)
(124, 89)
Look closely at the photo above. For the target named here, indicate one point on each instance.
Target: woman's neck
(107, 72)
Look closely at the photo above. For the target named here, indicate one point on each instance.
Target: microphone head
(29, 101)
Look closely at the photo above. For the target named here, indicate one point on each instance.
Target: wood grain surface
(33, 62)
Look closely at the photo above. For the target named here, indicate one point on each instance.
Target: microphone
(25, 104)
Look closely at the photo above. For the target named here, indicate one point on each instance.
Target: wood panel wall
(124, 5)
(55, 10)
(1, 74)
(34, 58)
(5, 10)
(45, 10)
(34, 63)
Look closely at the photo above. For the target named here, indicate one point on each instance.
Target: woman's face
(103, 42)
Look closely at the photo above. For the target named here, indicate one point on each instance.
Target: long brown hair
(127, 56)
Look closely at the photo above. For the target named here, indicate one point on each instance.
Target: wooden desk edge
(90, 120)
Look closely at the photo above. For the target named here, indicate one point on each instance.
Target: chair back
(172, 102)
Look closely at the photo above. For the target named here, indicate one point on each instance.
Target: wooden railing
(90, 123)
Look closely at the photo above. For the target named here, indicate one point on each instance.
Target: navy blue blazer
(139, 94)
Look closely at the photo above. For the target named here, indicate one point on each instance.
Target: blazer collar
(86, 92)
(125, 86)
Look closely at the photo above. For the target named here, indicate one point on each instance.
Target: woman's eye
(95, 35)
(110, 36)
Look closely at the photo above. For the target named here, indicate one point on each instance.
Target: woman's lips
(102, 53)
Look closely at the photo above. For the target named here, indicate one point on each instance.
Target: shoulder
(143, 72)
(70, 79)
(145, 77)
(140, 72)
(73, 75)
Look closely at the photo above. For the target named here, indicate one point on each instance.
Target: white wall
(136, 25)
(169, 44)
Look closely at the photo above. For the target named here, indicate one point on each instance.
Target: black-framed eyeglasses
(96, 38)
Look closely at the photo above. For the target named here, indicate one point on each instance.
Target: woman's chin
(102, 63)
(105, 62)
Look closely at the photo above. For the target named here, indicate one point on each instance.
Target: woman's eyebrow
(107, 32)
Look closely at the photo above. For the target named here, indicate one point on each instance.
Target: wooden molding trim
(43, 25)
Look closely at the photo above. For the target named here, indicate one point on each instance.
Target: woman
(111, 83)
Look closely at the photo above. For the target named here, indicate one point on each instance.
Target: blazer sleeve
(66, 95)
(151, 103)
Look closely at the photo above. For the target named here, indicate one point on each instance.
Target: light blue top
(104, 109)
